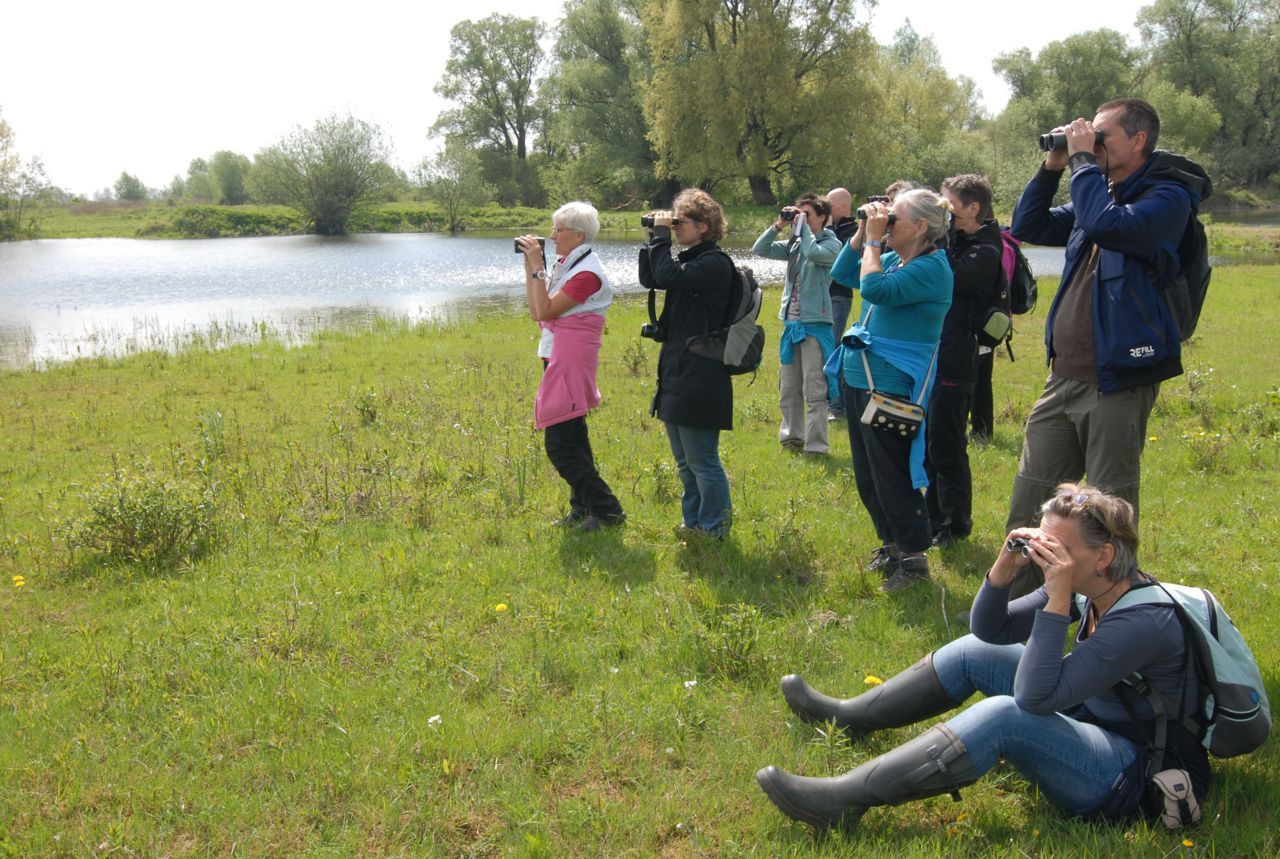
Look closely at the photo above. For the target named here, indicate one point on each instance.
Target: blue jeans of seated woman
(1074, 764)
(705, 502)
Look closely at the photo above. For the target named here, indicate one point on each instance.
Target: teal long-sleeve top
(817, 252)
(903, 302)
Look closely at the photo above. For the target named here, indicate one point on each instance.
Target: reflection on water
(71, 298)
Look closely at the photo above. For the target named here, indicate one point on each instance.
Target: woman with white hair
(892, 350)
(569, 304)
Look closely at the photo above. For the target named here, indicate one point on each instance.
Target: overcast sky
(94, 88)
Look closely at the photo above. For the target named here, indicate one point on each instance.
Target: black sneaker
(910, 570)
(884, 561)
(573, 517)
(595, 523)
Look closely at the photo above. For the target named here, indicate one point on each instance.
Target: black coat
(975, 262)
(692, 390)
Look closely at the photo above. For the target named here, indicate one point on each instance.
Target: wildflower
(614, 670)
(434, 720)
(19, 581)
(689, 684)
(1187, 842)
(500, 607)
(1153, 438)
(872, 680)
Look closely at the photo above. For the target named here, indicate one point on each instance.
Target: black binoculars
(646, 221)
(540, 240)
(862, 216)
(1058, 140)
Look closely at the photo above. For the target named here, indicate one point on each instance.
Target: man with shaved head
(845, 226)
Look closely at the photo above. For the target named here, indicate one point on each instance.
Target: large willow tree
(758, 89)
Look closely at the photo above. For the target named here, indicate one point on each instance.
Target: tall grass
(383, 647)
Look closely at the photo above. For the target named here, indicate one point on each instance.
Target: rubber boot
(934, 763)
(904, 699)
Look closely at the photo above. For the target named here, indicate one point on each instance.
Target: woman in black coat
(695, 394)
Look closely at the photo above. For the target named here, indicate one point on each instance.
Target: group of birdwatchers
(926, 265)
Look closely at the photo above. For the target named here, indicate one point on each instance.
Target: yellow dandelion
(1187, 842)
(1153, 438)
(500, 607)
(19, 582)
(872, 680)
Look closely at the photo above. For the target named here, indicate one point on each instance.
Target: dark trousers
(983, 418)
(882, 471)
(569, 449)
(950, 495)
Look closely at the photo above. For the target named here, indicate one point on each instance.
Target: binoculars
(1058, 140)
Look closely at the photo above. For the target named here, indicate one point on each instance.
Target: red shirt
(581, 286)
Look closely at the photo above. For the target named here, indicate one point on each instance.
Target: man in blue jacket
(1110, 336)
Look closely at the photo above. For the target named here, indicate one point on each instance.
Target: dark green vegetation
(348, 628)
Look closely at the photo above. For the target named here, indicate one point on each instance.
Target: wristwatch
(540, 274)
(875, 243)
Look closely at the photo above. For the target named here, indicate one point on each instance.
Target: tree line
(627, 101)
(759, 99)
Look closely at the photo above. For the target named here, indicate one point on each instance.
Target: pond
(68, 298)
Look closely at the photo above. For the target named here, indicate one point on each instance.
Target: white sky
(94, 88)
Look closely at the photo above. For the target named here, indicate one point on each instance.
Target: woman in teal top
(906, 292)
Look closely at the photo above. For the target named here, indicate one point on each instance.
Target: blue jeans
(841, 305)
(1075, 764)
(705, 503)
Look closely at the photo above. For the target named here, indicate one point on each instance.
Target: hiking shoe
(595, 523)
(833, 417)
(884, 561)
(793, 445)
(909, 571)
(573, 517)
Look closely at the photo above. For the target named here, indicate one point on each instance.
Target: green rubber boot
(904, 699)
(934, 763)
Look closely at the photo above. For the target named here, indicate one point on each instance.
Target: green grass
(334, 675)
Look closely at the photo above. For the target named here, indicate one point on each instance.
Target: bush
(145, 518)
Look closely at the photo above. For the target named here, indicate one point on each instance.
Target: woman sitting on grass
(569, 305)
(1057, 719)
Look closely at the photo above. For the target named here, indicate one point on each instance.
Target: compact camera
(1019, 544)
(520, 250)
(862, 216)
(1058, 140)
(656, 333)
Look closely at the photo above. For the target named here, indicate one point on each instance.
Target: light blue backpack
(1232, 716)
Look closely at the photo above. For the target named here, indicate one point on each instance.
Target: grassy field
(378, 645)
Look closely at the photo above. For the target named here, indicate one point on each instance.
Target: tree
(1071, 77)
(595, 131)
(199, 185)
(229, 172)
(1227, 52)
(129, 187)
(23, 187)
(492, 72)
(327, 172)
(453, 179)
(752, 88)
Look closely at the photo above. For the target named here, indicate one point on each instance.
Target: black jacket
(844, 231)
(975, 262)
(692, 390)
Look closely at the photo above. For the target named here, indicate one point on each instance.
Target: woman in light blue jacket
(807, 339)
